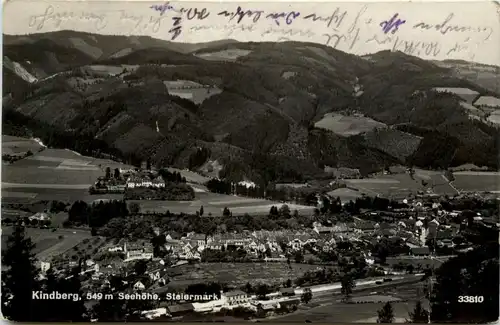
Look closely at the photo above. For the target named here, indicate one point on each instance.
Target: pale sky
(456, 30)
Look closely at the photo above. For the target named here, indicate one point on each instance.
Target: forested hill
(253, 107)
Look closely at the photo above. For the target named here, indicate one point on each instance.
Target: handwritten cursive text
(57, 18)
(240, 13)
(289, 17)
(392, 25)
(195, 13)
(336, 18)
(445, 27)
(163, 8)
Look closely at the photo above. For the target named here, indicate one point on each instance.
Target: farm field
(440, 184)
(25, 194)
(345, 194)
(54, 174)
(396, 186)
(347, 125)
(190, 90)
(45, 169)
(469, 181)
(57, 166)
(401, 185)
(16, 145)
(47, 242)
(214, 203)
(238, 274)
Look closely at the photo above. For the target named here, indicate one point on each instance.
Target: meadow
(12, 145)
(49, 243)
(238, 274)
(214, 203)
(399, 185)
(347, 125)
(54, 174)
(345, 194)
(402, 185)
(52, 166)
(31, 194)
(469, 181)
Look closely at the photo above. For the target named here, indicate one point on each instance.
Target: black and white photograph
(250, 162)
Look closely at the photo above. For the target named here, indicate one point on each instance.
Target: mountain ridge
(258, 100)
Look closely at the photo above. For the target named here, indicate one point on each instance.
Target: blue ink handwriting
(392, 25)
(336, 17)
(289, 17)
(240, 13)
(195, 13)
(176, 29)
(163, 8)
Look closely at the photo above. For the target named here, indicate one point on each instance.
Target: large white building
(228, 300)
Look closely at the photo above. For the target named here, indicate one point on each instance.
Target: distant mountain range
(254, 106)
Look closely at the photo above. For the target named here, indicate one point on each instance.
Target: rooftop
(235, 293)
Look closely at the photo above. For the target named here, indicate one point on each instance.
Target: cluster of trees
(323, 276)
(210, 288)
(13, 158)
(27, 222)
(96, 214)
(116, 173)
(171, 192)
(486, 207)
(173, 177)
(386, 247)
(198, 158)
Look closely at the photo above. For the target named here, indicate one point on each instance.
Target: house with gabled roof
(139, 285)
(158, 182)
(158, 275)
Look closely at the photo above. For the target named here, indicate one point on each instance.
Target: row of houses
(138, 181)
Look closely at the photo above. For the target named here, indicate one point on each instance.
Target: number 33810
(471, 299)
